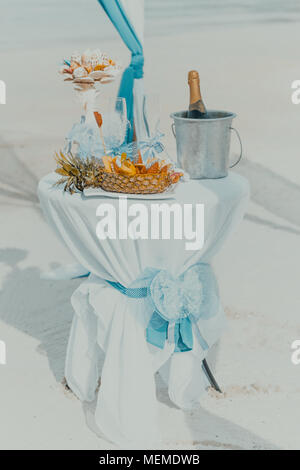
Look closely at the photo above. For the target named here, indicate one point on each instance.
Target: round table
(108, 320)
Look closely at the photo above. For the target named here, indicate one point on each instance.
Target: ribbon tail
(157, 331)
(126, 91)
(183, 335)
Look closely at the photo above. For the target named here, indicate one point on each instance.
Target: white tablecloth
(105, 318)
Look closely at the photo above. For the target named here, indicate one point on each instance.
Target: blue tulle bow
(117, 150)
(150, 147)
(87, 138)
(179, 301)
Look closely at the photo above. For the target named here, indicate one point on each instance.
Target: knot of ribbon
(177, 302)
(152, 145)
(137, 63)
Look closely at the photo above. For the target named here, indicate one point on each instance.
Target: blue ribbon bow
(152, 145)
(148, 147)
(157, 332)
(179, 302)
(117, 150)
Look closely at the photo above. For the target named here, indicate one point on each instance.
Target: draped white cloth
(105, 318)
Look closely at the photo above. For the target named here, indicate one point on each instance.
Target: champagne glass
(149, 134)
(114, 123)
(150, 114)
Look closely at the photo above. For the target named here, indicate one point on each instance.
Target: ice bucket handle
(241, 147)
(173, 129)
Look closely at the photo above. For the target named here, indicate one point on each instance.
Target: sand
(244, 68)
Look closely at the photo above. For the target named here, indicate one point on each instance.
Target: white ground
(248, 70)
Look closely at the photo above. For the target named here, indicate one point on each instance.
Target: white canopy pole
(135, 12)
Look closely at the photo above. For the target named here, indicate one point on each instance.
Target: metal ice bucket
(203, 144)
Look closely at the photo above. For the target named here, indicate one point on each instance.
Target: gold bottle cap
(193, 75)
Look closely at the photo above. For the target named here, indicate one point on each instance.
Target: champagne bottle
(197, 108)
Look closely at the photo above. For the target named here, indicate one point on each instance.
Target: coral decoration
(89, 67)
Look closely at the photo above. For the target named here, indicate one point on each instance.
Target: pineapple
(77, 174)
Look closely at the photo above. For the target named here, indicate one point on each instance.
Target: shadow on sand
(39, 308)
(211, 431)
(206, 431)
(17, 181)
(274, 193)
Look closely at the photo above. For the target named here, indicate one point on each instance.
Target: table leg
(210, 376)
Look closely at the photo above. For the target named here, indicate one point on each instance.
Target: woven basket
(137, 184)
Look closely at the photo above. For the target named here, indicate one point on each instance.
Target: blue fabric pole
(118, 17)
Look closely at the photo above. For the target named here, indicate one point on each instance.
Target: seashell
(97, 74)
(107, 79)
(105, 59)
(86, 57)
(88, 68)
(74, 65)
(76, 57)
(100, 67)
(112, 71)
(82, 86)
(96, 55)
(87, 80)
(94, 62)
(106, 76)
(68, 70)
(79, 72)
